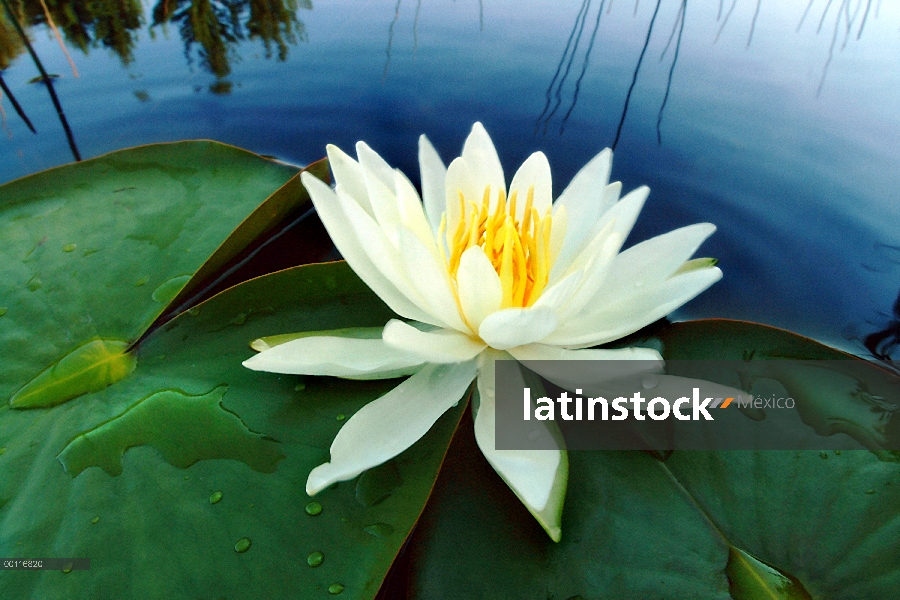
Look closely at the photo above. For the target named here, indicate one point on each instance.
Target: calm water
(781, 119)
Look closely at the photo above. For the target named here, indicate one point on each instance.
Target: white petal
(484, 164)
(584, 197)
(377, 166)
(600, 256)
(437, 346)
(603, 323)
(623, 216)
(654, 260)
(611, 195)
(412, 214)
(558, 364)
(558, 294)
(349, 176)
(478, 285)
(558, 235)
(545, 352)
(428, 274)
(336, 221)
(389, 259)
(537, 477)
(512, 327)
(592, 264)
(351, 358)
(385, 427)
(461, 179)
(535, 171)
(380, 185)
(434, 177)
(625, 212)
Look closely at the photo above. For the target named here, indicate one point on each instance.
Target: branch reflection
(849, 13)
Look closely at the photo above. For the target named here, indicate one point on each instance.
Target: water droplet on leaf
(341, 416)
(335, 589)
(69, 247)
(67, 568)
(169, 289)
(649, 382)
(140, 282)
(823, 455)
(242, 545)
(379, 530)
(533, 435)
(315, 559)
(215, 497)
(95, 520)
(313, 509)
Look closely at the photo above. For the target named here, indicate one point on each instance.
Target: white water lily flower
(483, 272)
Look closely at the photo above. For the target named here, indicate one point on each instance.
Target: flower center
(519, 250)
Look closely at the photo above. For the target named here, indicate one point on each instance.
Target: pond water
(777, 121)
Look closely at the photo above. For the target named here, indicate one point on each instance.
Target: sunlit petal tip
(697, 264)
(481, 156)
(317, 188)
(533, 179)
(259, 345)
(334, 152)
(323, 476)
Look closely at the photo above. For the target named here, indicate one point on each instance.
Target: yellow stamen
(518, 250)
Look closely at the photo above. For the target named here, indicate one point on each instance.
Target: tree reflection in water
(10, 43)
(216, 26)
(212, 27)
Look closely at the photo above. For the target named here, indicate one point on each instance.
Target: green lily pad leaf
(773, 525)
(98, 250)
(186, 479)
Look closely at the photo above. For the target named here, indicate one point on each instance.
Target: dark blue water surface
(781, 120)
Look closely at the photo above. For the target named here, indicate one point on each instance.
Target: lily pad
(196, 466)
(94, 252)
(700, 525)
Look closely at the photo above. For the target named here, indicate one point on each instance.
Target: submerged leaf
(89, 368)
